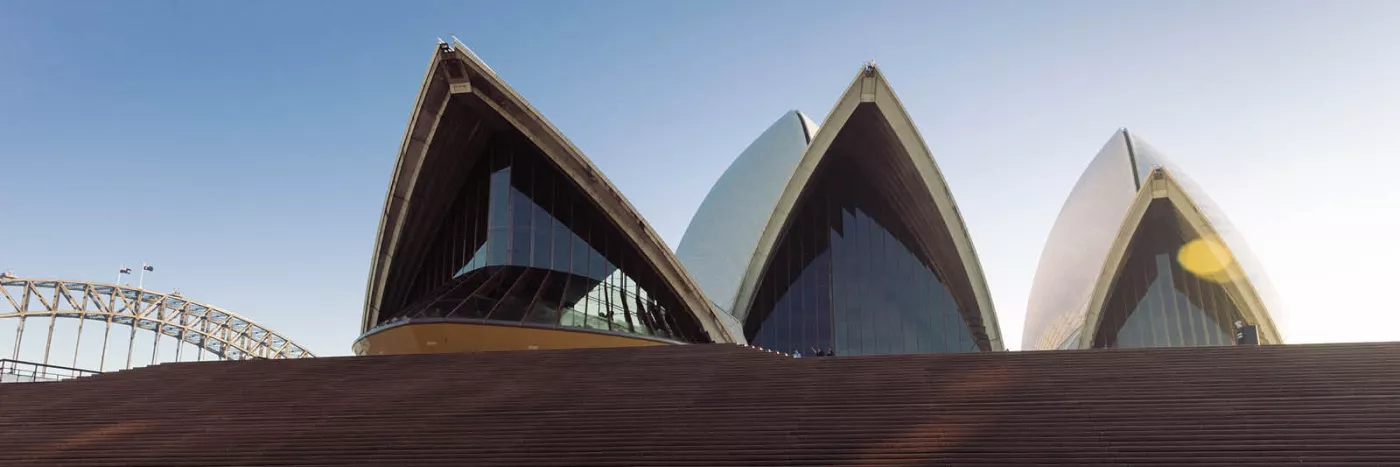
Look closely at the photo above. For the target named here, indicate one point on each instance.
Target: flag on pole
(147, 267)
(125, 270)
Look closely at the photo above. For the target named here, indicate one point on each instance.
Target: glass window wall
(841, 281)
(528, 247)
(1155, 302)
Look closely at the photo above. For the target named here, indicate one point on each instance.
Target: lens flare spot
(1207, 259)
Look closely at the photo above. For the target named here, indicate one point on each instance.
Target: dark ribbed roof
(719, 405)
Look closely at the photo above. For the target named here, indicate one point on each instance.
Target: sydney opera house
(1140, 257)
(498, 234)
(838, 239)
(845, 238)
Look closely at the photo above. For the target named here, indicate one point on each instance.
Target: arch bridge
(222, 334)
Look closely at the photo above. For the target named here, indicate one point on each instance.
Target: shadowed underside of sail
(865, 251)
(1170, 280)
(496, 226)
(1096, 239)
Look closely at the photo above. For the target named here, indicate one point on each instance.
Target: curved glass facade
(521, 244)
(844, 279)
(1084, 233)
(1155, 302)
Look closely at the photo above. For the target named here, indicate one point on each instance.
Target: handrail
(38, 371)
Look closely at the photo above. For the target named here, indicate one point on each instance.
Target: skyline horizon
(252, 168)
(1013, 346)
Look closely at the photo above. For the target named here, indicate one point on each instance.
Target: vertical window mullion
(799, 330)
(1174, 334)
(830, 277)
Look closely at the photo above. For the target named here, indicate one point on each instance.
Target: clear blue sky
(244, 148)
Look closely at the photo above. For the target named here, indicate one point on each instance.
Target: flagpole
(144, 267)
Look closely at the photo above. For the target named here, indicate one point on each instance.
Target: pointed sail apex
(866, 231)
(1090, 243)
(1170, 280)
(498, 234)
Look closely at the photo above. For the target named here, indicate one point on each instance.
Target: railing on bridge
(19, 371)
(49, 317)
